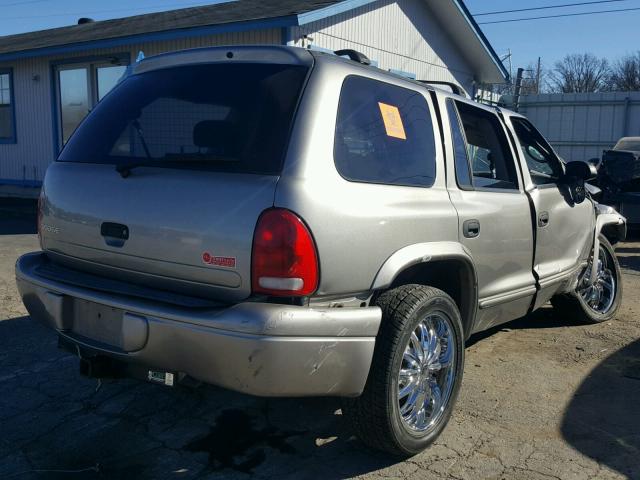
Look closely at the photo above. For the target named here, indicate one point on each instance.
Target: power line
(559, 16)
(21, 3)
(545, 8)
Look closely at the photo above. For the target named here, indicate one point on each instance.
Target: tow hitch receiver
(99, 367)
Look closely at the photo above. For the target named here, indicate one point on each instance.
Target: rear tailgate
(164, 182)
(191, 227)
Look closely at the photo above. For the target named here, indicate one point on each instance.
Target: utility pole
(503, 59)
(538, 75)
(516, 96)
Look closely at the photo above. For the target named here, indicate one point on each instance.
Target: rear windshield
(232, 118)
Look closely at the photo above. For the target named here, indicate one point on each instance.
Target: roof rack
(455, 88)
(353, 55)
(356, 56)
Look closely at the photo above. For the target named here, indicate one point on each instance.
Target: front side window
(542, 163)
(384, 134)
(492, 164)
(220, 117)
(7, 127)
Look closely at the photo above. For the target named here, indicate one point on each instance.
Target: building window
(7, 117)
(81, 85)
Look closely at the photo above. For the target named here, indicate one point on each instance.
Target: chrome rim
(427, 373)
(600, 295)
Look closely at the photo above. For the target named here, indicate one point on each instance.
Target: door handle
(114, 234)
(471, 228)
(543, 219)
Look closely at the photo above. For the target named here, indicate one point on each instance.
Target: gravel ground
(542, 398)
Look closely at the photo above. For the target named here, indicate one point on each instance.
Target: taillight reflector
(284, 260)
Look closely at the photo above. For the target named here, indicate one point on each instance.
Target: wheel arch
(444, 265)
(611, 224)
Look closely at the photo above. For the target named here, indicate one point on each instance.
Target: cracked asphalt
(542, 398)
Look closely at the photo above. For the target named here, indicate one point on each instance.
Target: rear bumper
(256, 348)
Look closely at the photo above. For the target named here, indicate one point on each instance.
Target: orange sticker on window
(392, 121)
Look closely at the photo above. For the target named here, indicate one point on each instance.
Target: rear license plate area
(98, 322)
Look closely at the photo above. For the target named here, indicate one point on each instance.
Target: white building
(49, 80)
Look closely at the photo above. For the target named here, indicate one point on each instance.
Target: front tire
(599, 302)
(415, 375)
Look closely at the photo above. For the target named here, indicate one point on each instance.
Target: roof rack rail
(455, 88)
(353, 55)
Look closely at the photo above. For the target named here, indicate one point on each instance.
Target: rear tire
(415, 375)
(579, 304)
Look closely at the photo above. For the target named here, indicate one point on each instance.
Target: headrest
(213, 134)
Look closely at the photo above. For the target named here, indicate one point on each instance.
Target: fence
(581, 125)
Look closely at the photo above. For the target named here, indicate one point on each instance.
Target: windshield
(233, 118)
(631, 144)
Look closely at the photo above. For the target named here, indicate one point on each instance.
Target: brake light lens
(284, 260)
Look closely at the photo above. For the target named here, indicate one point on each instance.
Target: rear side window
(232, 118)
(384, 134)
(492, 164)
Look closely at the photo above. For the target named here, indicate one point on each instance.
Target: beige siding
(29, 157)
(400, 35)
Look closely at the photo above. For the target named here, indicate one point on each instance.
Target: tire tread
(368, 414)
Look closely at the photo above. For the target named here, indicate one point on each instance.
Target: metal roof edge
(275, 22)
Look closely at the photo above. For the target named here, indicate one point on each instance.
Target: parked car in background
(284, 222)
(619, 178)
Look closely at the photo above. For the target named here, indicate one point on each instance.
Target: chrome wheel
(600, 295)
(427, 373)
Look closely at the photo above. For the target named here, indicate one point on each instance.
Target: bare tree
(534, 80)
(625, 74)
(578, 73)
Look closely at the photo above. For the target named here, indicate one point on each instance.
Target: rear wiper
(125, 169)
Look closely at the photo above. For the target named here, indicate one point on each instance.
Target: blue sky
(608, 35)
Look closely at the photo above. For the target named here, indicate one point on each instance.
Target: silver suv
(283, 222)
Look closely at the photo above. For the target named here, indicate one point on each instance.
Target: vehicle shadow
(545, 317)
(18, 216)
(602, 421)
(55, 423)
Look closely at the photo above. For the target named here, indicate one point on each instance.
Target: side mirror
(576, 174)
(580, 172)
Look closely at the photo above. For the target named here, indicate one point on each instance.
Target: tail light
(284, 260)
